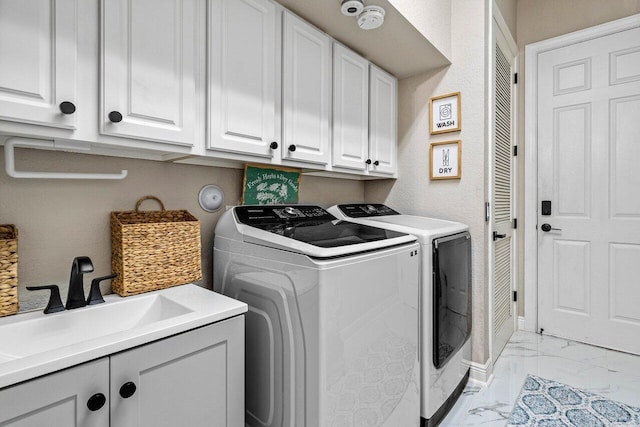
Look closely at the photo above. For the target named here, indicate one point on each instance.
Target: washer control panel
(254, 215)
(363, 210)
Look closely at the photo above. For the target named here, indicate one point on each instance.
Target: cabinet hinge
(515, 78)
(515, 150)
(515, 223)
(515, 296)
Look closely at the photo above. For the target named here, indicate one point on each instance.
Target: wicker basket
(154, 249)
(8, 270)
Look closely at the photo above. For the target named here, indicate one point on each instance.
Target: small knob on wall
(115, 117)
(67, 107)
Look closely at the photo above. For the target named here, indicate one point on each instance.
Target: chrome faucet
(75, 296)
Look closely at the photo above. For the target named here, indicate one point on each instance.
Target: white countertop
(34, 344)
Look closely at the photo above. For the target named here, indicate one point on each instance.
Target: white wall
(58, 220)
(459, 200)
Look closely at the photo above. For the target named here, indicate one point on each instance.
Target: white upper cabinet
(382, 122)
(150, 69)
(38, 44)
(350, 109)
(244, 72)
(306, 81)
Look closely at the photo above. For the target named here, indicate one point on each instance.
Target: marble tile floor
(608, 373)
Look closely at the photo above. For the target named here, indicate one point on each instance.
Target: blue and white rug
(547, 403)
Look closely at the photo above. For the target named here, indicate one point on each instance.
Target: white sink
(33, 344)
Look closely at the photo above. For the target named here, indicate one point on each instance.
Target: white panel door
(350, 109)
(38, 57)
(61, 399)
(502, 189)
(588, 169)
(244, 69)
(150, 69)
(306, 86)
(383, 120)
(195, 379)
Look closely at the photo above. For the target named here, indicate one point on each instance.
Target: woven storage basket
(153, 250)
(8, 270)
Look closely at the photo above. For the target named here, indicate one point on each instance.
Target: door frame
(498, 23)
(532, 51)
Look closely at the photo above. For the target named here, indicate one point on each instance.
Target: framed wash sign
(445, 113)
(270, 185)
(446, 160)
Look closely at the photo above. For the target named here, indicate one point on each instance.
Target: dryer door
(451, 295)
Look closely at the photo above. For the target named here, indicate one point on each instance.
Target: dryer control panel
(363, 210)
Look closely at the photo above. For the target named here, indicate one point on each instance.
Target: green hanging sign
(270, 185)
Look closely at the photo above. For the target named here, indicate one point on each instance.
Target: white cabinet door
(383, 119)
(306, 80)
(61, 399)
(38, 42)
(195, 379)
(150, 69)
(244, 69)
(350, 109)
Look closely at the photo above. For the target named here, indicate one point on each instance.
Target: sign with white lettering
(446, 160)
(270, 185)
(445, 113)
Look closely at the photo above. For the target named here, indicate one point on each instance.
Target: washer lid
(312, 231)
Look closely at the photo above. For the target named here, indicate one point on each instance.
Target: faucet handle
(55, 302)
(95, 296)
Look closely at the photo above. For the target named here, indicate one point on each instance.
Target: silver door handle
(547, 227)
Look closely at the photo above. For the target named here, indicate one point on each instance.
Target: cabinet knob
(292, 148)
(67, 107)
(96, 401)
(127, 390)
(376, 163)
(368, 161)
(115, 117)
(273, 145)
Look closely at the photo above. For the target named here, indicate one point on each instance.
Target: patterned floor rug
(547, 403)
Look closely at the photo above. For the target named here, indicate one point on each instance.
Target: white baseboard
(521, 323)
(481, 372)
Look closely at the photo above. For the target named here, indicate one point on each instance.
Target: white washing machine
(332, 334)
(446, 300)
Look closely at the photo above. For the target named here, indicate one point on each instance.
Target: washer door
(451, 295)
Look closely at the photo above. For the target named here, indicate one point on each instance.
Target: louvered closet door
(503, 254)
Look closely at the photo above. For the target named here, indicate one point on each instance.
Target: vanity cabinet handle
(96, 401)
(67, 107)
(127, 390)
(115, 117)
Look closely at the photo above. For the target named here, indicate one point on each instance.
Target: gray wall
(61, 219)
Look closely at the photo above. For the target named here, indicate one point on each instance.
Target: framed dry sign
(446, 160)
(445, 113)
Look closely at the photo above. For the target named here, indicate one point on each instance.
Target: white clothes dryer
(332, 333)
(445, 351)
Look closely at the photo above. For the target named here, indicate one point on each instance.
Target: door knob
(497, 236)
(547, 228)
(96, 401)
(128, 389)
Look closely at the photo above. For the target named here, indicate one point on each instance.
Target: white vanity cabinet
(244, 72)
(38, 45)
(195, 378)
(350, 109)
(151, 69)
(60, 399)
(306, 81)
(383, 119)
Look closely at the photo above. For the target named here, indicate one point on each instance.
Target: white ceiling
(397, 46)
